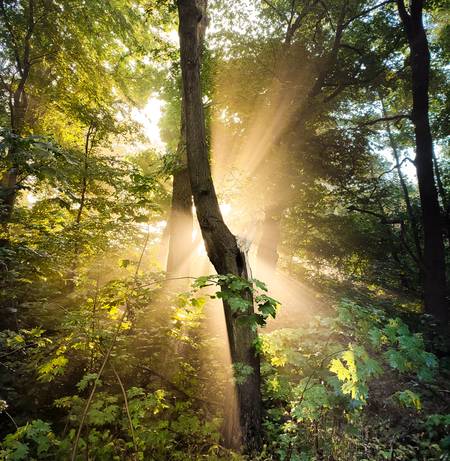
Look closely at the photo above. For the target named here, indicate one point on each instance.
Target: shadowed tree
(433, 253)
(221, 245)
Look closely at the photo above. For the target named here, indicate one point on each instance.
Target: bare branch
(382, 218)
(389, 118)
(367, 11)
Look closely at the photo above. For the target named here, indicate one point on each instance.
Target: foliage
(334, 388)
(234, 290)
(309, 130)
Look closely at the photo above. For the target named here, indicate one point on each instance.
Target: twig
(12, 419)
(174, 387)
(127, 408)
(387, 119)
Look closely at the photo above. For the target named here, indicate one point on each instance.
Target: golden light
(149, 118)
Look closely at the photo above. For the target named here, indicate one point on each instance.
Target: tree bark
(434, 257)
(221, 245)
(181, 219)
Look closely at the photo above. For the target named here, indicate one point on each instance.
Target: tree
(221, 245)
(53, 59)
(435, 290)
(181, 218)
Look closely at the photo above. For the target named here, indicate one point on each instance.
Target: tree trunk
(270, 239)
(434, 257)
(406, 197)
(221, 245)
(181, 219)
(88, 146)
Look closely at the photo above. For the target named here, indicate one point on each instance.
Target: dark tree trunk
(433, 255)
(8, 194)
(181, 219)
(221, 245)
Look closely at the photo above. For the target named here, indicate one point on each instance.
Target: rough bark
(221, 245)
(433, 255)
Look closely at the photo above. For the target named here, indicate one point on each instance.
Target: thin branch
(367, 11)
(382, 218)
(395, 167)
(12, 419)
(127, 408)
(175, 388)
(388, 118)
(352, 48)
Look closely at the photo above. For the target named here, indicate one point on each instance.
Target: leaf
(259, 284)
(87, 379)
(409, 399)
(238, 304)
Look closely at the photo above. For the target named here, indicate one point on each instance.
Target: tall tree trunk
(404, 186)
(221, 245)
(270, 239)
(181, 219)
(434, 257)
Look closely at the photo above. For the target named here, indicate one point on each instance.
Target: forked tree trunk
(433, 254)
(221, 245)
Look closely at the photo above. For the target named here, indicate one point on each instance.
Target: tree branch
(275, 9)
(382, 218)
(389, 118)
(367, 11)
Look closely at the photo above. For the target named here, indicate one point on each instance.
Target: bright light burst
(149, 118)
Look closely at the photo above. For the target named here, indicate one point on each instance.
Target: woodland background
(326, 127)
